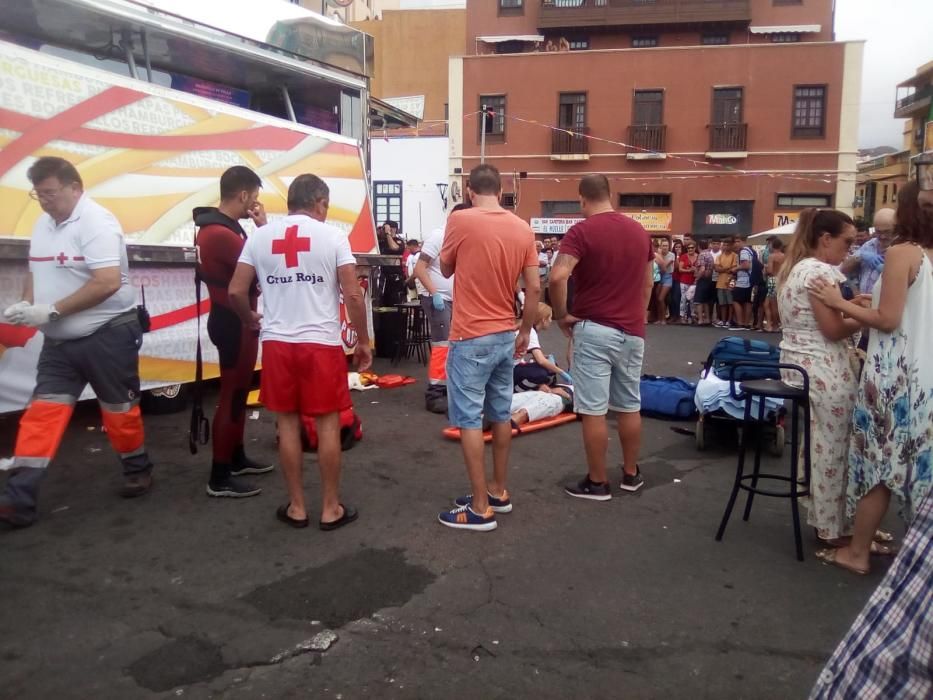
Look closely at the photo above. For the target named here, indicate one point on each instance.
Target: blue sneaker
(465, 519)
(498, 505)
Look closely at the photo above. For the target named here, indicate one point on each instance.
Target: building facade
(708, 117)
(879, 180)
(915, 104)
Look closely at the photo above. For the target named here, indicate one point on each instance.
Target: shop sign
(782, 218)
(553, 226)
(721, 219)
(652, 220)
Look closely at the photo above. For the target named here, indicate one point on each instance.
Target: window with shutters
(809, 112)
(495, 124)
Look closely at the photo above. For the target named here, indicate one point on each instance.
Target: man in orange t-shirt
(489, 248)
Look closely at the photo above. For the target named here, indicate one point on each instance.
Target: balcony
(647, 142)
(728, 141)
(918, 101)
(570, 146)
(609, 14)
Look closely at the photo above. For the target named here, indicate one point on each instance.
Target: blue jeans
(606, 370)
(479, 380)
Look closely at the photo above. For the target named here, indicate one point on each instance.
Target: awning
(510, 37)
(385, 116)
(787, 28)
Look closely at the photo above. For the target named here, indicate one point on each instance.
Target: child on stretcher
(543, 402)
(538, 369)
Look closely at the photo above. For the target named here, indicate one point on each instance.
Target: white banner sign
(554, 226)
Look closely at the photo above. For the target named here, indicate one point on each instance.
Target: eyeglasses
(45, 194)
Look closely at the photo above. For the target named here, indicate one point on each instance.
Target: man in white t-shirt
(79, 296)
(303, 265)
(437, 303)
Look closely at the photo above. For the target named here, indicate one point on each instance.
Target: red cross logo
(62, 258)
(290, 246)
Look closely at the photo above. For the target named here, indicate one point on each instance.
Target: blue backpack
(734, 349)
(667, 397)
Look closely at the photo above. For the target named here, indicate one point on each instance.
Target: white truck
(150, 154)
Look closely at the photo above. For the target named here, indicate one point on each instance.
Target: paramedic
(78, 294)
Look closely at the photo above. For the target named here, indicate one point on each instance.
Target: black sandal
(282, 514)
(349, 515)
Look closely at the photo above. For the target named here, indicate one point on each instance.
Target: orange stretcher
(543, 424)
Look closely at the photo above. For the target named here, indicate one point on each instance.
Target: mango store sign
(783, 218)
(721, 219)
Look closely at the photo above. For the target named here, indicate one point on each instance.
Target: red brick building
(711, 116)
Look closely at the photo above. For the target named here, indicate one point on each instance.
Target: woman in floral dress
(817, 338)
(891, 450)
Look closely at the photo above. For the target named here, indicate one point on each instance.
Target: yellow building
(878, 181)
(915, 104)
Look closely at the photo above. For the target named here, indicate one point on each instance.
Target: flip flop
(349, 515)
(883, 536)
(282, 514)
(884, 550)
(828, 556)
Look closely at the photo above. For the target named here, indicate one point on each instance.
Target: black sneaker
(589, 490)
(241, 464)
(232, 488)
(632, 482)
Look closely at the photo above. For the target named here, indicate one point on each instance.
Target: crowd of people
(830, 289)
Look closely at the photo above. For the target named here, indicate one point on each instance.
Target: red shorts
(305, 378)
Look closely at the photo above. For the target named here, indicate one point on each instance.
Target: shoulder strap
(199, 430)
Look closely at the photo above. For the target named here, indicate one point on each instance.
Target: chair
(416, 334)
(799, 399)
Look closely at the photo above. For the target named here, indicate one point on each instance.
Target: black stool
(799, 399)
(416, 334)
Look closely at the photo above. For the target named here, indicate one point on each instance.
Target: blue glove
(438, 301)
(872, 260)
(565, 377)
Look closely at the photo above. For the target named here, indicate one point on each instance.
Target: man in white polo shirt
(303, 265)
(438, 306)
(78, 294)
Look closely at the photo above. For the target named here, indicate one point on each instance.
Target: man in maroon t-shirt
(610, 258)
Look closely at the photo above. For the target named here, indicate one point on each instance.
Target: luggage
(667, 397)
(734, 349)
(351, 431)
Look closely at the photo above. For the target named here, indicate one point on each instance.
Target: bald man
(868, 260)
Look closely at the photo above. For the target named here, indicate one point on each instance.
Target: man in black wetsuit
(219, 240)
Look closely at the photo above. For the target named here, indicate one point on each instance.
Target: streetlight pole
(482, 138)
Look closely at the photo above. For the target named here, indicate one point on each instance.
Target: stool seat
(772, 388)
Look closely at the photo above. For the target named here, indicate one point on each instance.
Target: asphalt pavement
(180, 595)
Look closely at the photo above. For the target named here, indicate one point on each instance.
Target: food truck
(152, 108)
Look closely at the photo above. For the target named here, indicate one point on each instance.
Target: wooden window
(727, 105)
(641, 200)
(809, 120)
(560, 208)
(579, 43)
(714, 39)
(571, 112)
(785, 37)
(495, 125)
(644, 42)
(648, 108)
(511, 7)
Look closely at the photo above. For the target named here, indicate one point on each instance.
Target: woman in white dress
(818, 339)
(891, 450)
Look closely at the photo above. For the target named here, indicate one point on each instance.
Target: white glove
(14, 313)
(33, 315)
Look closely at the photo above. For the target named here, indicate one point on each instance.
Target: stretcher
(534, 426)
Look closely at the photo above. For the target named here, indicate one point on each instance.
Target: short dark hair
(413, 241)
(305, 191)
(391, 224)
(703, 243)
(50, 166)
(594, 188)
(238, 179)
(485, 180)
(777, 243)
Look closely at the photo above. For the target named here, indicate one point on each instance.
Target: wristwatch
(54, 313)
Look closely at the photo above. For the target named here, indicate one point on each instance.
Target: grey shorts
(607, 365)
(724, 296)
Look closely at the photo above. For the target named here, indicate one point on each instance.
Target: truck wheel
(165, 400)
